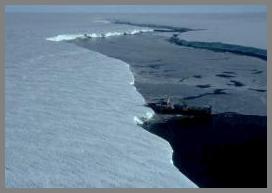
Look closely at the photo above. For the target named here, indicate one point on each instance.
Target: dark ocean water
(227, 150)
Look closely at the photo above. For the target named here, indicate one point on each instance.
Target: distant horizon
(135, 8)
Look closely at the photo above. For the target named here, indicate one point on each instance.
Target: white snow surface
(69, 113)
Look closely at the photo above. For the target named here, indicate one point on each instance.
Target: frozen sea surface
(246, 29)
(69, 112)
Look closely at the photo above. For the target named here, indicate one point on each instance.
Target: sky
(137, 8)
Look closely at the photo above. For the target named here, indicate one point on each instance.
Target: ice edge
(66, 37)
